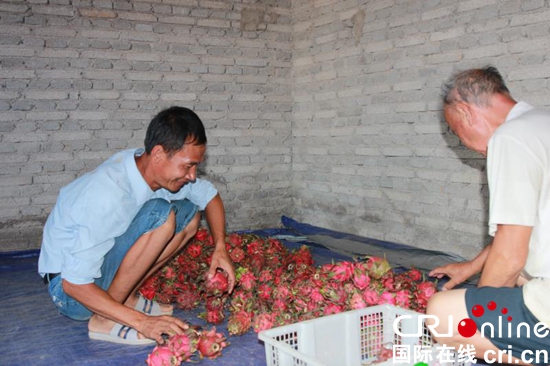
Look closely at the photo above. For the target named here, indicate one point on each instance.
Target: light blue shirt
(98, 207)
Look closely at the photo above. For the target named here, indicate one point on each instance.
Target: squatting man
(114, 227)
(514, 286)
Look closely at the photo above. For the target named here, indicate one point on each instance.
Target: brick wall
(324, 110)
(81, 79)
(371, 154)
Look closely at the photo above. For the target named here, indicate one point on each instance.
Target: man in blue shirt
(115, 226)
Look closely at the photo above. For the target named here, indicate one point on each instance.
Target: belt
(48, 277)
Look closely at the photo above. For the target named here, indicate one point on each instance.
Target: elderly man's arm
(460, 272)
(507, 256)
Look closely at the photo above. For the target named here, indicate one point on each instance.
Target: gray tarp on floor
(356, 246)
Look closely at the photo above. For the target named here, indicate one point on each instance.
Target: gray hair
(474, 86)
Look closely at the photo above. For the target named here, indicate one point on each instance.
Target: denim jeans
(152, 215)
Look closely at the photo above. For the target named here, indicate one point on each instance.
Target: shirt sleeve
(93, 235)
(515, 177)
(199, 192)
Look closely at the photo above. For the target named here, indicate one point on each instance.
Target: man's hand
(154, 327)
(215, 215)
(457, 273)
(221, 259)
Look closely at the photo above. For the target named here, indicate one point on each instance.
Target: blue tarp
(33, 333)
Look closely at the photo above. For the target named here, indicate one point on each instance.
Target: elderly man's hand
(457, 273)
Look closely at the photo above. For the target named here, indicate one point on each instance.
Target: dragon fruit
(264, 291)
(387, 298)
(247, 280)
(239, 323)
(163, 356)
(213, 316)
(402, 298)
(341, 271)
(263, 321)
(414, 274)
(184, 345)
(361, 277)
(378, 267)
(215, 303)
(217, 284)
(371, 297)
(237, 255)
(277, 287)
(210, 344)
(357, 301)
(333, 309)
(194, 250)
(187, 297)
(265, 276)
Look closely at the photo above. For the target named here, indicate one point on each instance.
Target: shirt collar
(140, 189)
(517, 110)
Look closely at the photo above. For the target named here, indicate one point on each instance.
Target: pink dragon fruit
(281, 292)
(414, 274)
(239, 322)
(247, 280)
(184, 345)
(426, 289)
(333, 309)
(254, 248)
(280, 304)
(357, 302)
(194, 250)
(213, 316)
(361, 277)
(235, 240)
(387, 298)
(302, 256)
(163, 356)
(341, 271)
(242, 300)
(210, 344)
(214, 303)
(237, 255)
(402, 298)
(316, 295)
(217, 284)
(334, 293)
(187, 297)
(371, 297)
(264, 291)
(265, 276)
(263, 321)
(378, 266)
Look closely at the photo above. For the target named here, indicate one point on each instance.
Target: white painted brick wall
(303, 119)
(401, 175)
(80, 80)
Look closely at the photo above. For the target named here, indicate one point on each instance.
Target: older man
(514, 286)
(113, 227)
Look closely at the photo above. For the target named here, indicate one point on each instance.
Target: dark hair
(174, 127)
(474, 86)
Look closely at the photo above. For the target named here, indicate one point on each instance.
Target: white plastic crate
(352, 338)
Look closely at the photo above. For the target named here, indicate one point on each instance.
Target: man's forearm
(479, 261)
(215, 216)
(506, 257)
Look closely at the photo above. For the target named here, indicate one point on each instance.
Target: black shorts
(497, 313)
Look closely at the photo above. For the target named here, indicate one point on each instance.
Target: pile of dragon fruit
(189, 345)
(275, 287)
